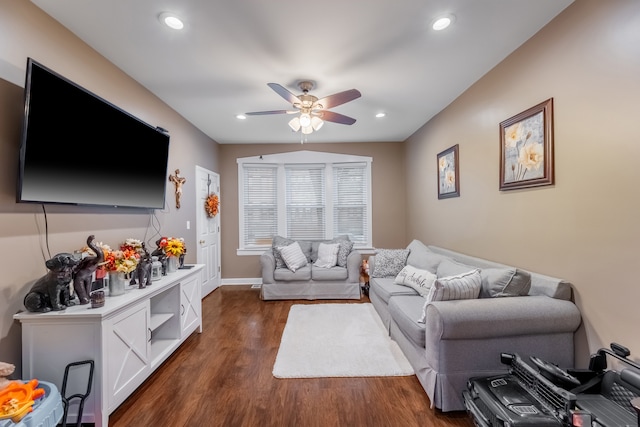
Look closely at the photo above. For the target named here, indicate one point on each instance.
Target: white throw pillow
(420, 280)
(461, 286)
(327, 255)
(293, 256)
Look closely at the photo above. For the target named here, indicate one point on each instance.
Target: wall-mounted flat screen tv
(78, 148)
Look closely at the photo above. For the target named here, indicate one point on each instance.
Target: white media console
(127, 338)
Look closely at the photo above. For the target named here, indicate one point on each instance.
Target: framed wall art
(448, 173)
(526, 148)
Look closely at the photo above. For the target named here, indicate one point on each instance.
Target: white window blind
(350, 201)
(303, 195)
(260, 204)
(305, 201)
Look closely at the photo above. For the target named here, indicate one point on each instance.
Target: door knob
(202, 242)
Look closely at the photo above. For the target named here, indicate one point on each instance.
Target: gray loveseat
(463, 338)
(309, 281)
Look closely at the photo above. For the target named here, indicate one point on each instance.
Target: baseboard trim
(244, 281)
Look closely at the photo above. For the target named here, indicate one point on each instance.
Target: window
(303, 195)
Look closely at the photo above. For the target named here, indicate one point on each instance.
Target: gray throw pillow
(389, 262)
(345, 249)
(504, 282)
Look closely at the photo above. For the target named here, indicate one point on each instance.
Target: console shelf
(127, 338)
(159, 319)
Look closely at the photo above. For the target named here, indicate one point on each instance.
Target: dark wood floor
(222, 377)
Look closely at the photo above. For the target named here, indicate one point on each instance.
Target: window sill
(261, 250)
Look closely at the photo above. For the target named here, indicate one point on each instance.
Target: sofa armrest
(371, 261)
(268, 265)
(354, 261)
(499, 317)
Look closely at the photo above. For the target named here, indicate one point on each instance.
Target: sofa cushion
(462, 286)
(449, 267)
(327, 255)
(306, 246)
(405, 310)
(333, 273)
(386, 287)
(293, 256)
(420, 280)
(420, 256)
(389, 262)
(504, 282)
(286, 275)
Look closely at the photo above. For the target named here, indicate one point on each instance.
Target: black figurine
(142, 273)
(51, 291)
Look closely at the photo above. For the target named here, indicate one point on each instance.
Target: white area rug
(337, 340)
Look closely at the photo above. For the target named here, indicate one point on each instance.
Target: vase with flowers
(174, 248)
(120, 264)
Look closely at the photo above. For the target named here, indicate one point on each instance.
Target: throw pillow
(293, 256)
(389, 262)
(327, 255)
(504, 282)
(343, 252)
(420, 280)
(462, 286)
(277, 243)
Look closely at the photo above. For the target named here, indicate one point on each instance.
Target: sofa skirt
(310, 290)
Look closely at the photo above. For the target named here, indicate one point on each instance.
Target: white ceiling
(219, 65)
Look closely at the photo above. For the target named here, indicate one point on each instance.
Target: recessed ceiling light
(442, 22)
(241, 117)
(171, 20)
(379, 115)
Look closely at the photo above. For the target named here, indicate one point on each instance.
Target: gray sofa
(310, 282)
(463, 338)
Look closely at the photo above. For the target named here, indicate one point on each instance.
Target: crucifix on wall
(177, 182)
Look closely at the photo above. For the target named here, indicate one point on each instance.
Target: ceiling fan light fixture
(306, 130)
(316, 123)
(294, 124)
(305, 120)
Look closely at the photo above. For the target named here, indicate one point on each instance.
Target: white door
(208, 230)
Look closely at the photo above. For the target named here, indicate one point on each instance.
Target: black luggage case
(523, 397)
(550, 396)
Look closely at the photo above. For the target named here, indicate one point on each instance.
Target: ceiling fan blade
(338, 98)
(283, 92)
(262, 113)
(330, 116)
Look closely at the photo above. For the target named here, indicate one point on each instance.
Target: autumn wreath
(212, 205)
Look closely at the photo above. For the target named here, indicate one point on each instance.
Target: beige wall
(25, 31)
(388, 197)
(585, 227)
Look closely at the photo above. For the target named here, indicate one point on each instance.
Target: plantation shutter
(305, 201)
(350, 195)
(260, 204)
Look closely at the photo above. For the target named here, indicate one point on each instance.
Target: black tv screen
(78, 148)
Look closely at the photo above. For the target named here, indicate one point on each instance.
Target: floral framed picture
(526, 148)
(448, 173)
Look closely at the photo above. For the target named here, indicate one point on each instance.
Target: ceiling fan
(313, 112)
